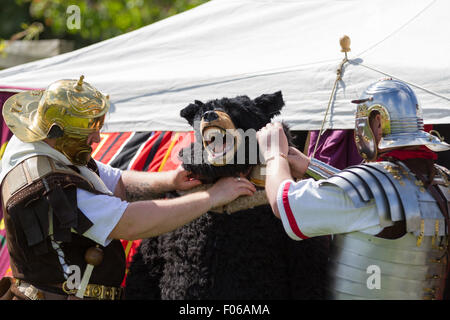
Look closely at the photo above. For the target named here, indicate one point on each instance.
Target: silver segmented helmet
(401, 120)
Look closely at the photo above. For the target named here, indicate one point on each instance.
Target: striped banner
(141, 151)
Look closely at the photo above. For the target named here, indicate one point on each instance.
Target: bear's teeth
(219, 147)
(212, 134)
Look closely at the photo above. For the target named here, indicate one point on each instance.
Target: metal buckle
(102, 292)
(108, 293)
(67, 290)
(30, 291)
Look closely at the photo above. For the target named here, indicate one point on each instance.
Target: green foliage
(30, 32)
(12, 15)
(101, 19)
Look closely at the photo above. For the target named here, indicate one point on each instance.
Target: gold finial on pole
(345, 44)
(79, 85)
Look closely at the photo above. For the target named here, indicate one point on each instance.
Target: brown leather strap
(439, 195)
(30, 179)
(422, 167)
(38, 188)
(393, 232)
(434, 179)
(93, 292)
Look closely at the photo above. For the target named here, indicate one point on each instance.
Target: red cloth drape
(4, 138)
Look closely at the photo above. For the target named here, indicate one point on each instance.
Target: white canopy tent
(250, 47)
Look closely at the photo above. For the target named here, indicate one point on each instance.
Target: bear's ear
(191, 110)
(270, 104)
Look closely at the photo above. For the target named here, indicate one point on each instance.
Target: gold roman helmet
(68, 110)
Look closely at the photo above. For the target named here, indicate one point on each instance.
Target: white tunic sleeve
(109, 175)
(308, 210)
(104, 211)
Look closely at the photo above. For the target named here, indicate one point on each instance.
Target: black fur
(246, 255)
(246, 114)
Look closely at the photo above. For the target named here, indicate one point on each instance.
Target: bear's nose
(209, 116)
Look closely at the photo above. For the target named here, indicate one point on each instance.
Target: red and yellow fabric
(6, 134)
(5, 269)
(154, 151)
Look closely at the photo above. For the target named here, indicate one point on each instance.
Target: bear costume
(243, 255)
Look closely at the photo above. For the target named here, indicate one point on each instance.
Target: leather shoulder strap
(39, 173)
(436, 180)
(440, 189)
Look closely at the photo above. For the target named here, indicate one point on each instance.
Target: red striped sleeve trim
(289, 214)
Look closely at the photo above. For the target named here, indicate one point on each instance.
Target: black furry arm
(146, 270)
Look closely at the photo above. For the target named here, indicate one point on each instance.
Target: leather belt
(29, 291)
(96, 291)
(93, 291)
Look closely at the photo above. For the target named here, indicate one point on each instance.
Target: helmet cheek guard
(76, 149)
(365, 139)
(366, 142)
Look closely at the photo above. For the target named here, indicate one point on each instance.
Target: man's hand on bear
(227, 189)
(298, 162)
(272, 140)
(181, 180)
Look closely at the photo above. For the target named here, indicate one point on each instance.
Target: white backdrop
(236, 47)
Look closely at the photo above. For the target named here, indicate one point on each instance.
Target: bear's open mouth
(218, 142)
(221, 139)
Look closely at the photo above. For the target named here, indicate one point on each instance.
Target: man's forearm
(145, 185)
(144, 219)
(277, 171)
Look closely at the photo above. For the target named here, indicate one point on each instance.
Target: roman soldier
(388, 216)
(39, 192)
(65, 212)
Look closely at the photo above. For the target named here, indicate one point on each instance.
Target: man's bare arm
(274, 146)
(277, 171)
(144, 185)
(137, 185)
(143, 219)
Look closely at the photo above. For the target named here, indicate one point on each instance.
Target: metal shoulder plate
(397, 193)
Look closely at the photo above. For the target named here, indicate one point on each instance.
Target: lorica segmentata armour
(411, 266)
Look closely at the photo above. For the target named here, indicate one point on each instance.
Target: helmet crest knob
(79, 85)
